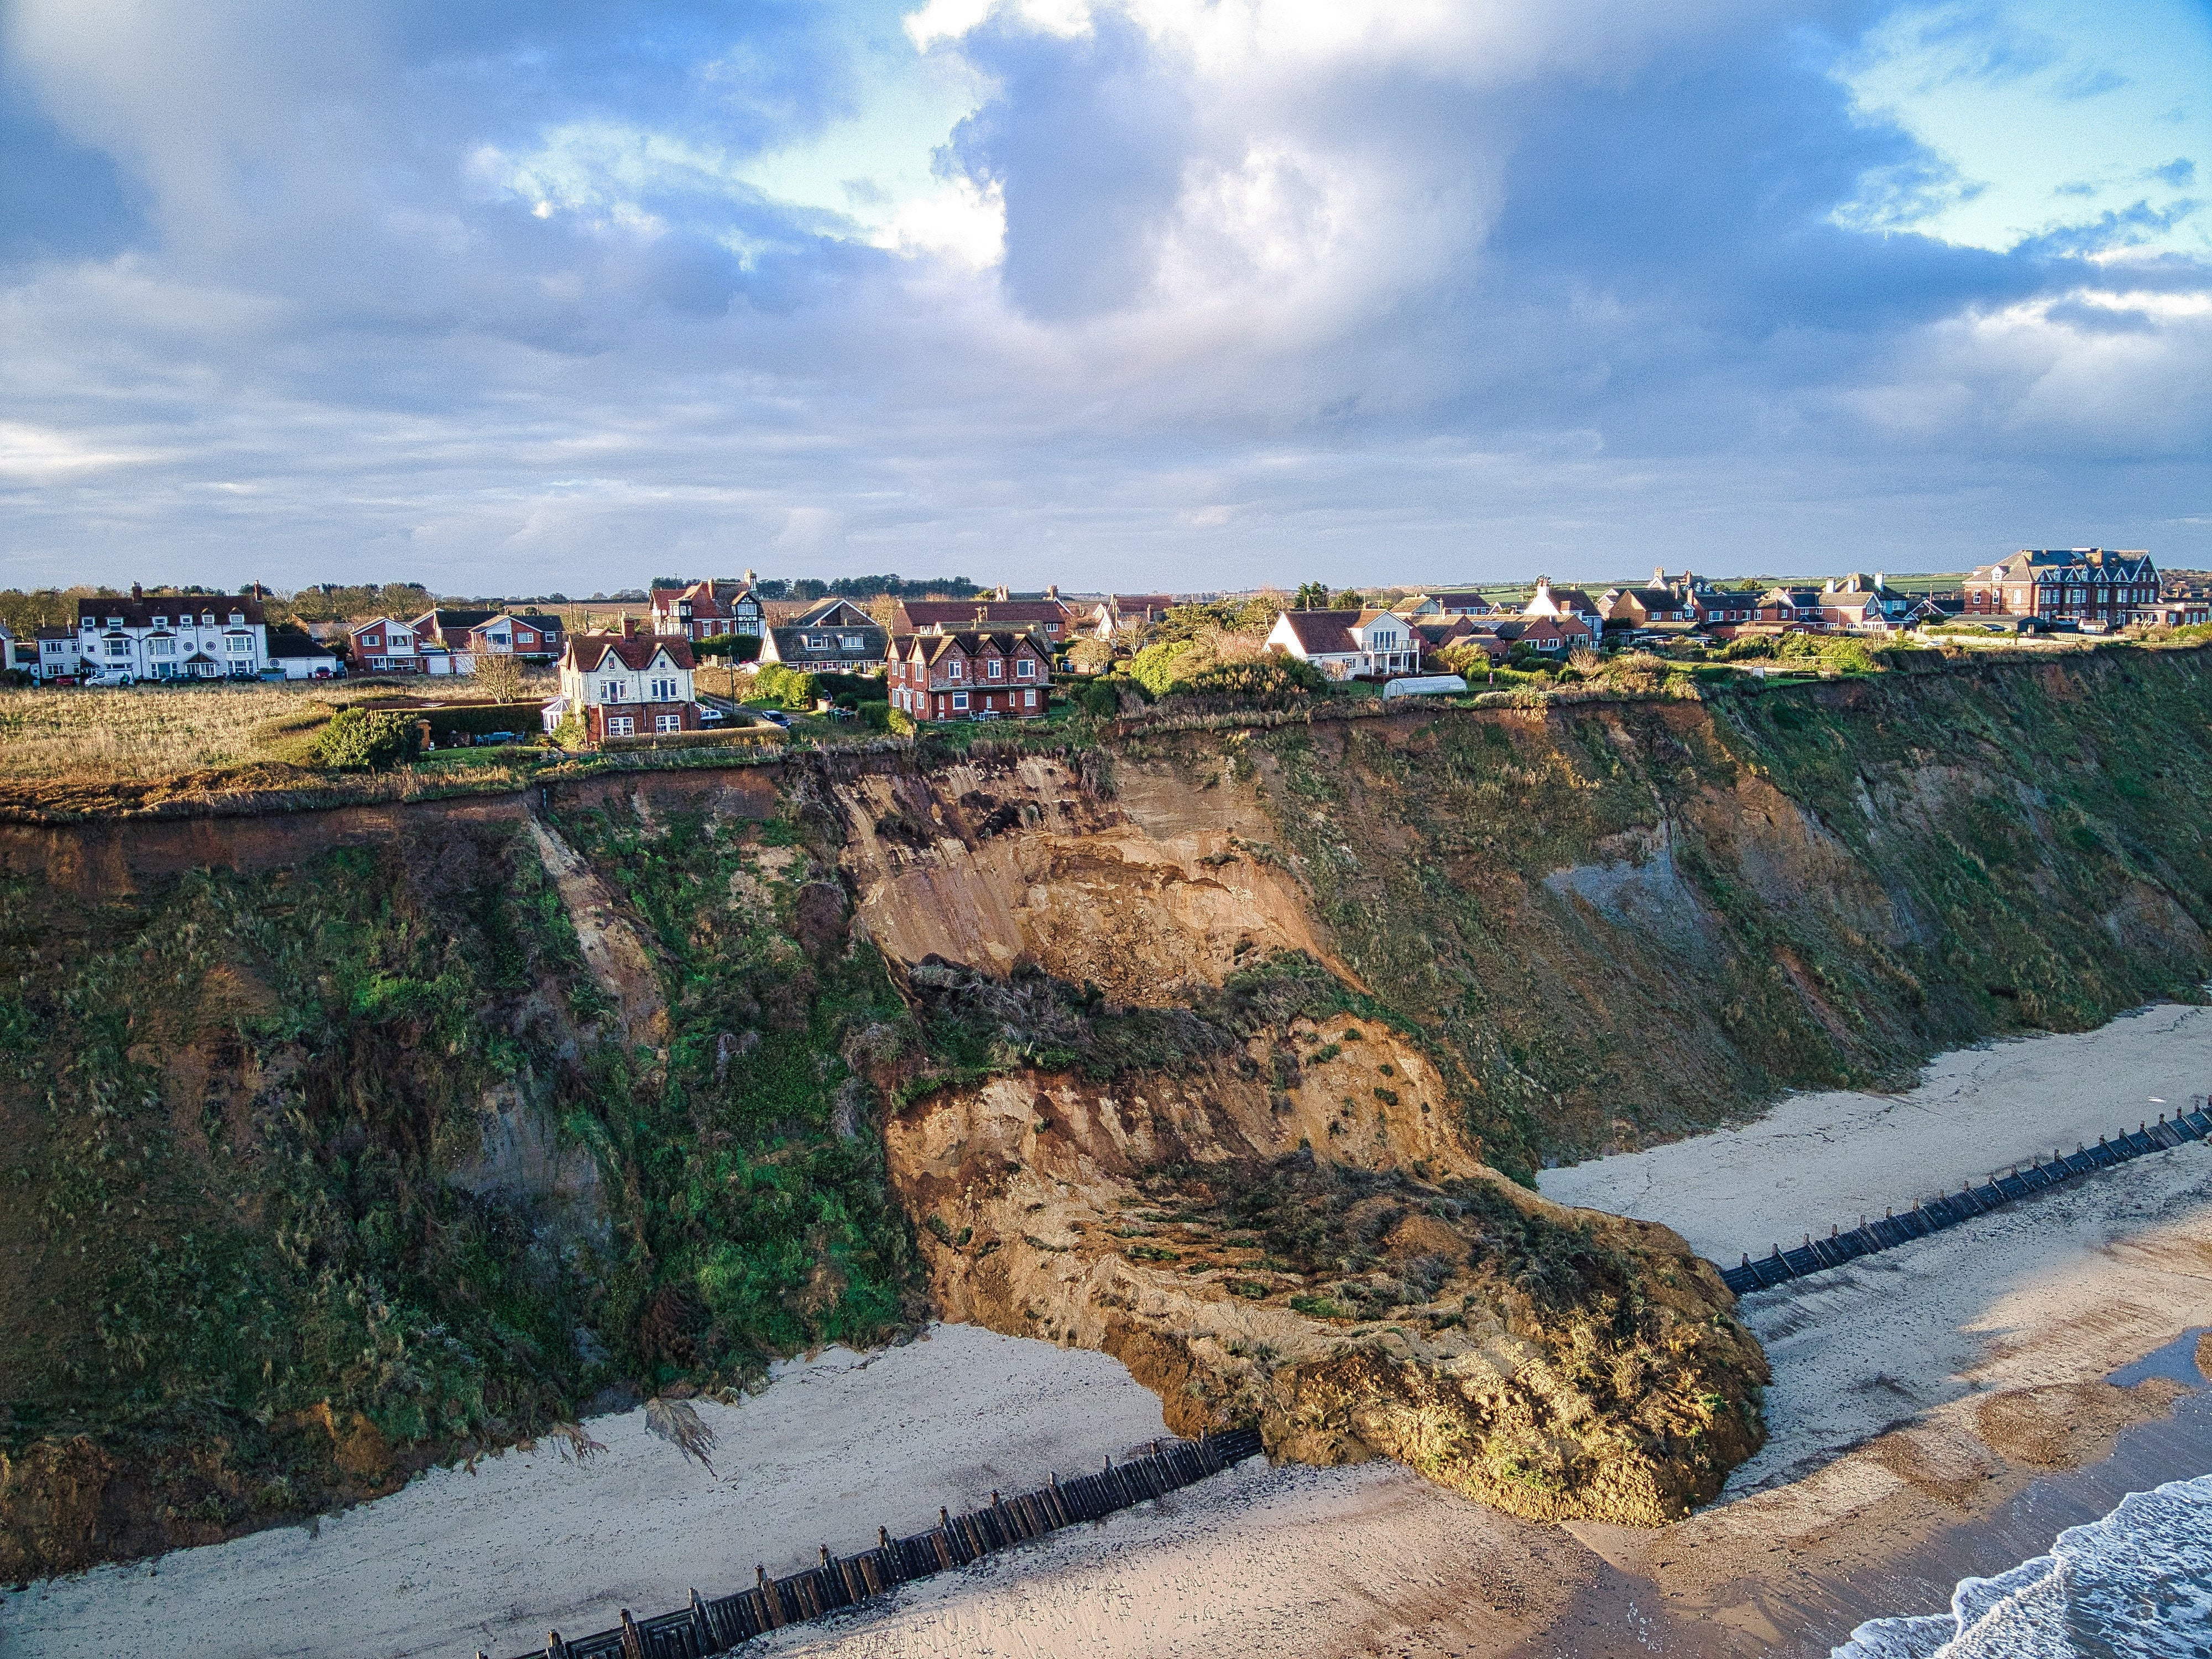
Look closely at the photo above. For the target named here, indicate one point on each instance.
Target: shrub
(1273, 676)
(901, 723)
(1098, 699)
(1154, 667)
(358, 738)
(790, 687)
(875, 716)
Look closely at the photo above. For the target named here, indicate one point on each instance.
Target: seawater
(2134, 1585)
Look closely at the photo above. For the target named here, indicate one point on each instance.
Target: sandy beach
(1918, 1395)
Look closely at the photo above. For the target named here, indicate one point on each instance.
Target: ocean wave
(2134, 1585)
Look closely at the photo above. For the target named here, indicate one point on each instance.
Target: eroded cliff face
(1557, 932)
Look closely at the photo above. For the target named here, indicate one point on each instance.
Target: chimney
(629, 626)
(752, 579)
(1880, 580)
(1002, 592)
(137, 591)
(1658, 575)
(1052, 590)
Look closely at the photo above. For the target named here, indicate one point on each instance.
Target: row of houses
(189, 636)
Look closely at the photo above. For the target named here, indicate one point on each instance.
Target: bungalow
(1471, 602)
(2182, 611)
(1048, 617)
(835, 635)
(1348, 644)
(969, 674)
(629, 685)
(708, 609)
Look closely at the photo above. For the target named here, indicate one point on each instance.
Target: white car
(111, 677)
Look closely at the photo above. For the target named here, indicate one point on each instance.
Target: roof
(709, 598)
(140, 612)
(1326, 633)
(969, 641)
(291, 642)
(57, 634)
(791, 640)
(915, 615)
(589, 651)
(823, 614)
(458, 622)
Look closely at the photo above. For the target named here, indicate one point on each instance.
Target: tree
(1312, 596)
(499, 676)
(1350, 599)
(358, 738)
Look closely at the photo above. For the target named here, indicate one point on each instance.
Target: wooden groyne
(707, 1627)
(1817, 1255)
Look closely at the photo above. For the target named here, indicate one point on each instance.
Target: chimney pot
(629, 627)
(137, 591)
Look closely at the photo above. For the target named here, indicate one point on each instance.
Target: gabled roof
(791, 640)
(1324, 633)
(456, 622)
(833, 613)
(285, 642)
(967, 642)
(589, 652)
(709, 599)
(386, 623)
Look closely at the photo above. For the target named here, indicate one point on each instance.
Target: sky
(527, 295)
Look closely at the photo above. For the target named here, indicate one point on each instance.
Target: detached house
(708, 609)
(1564, 603)
(835, 635)
(629, 685)
(524, 634)
(1348, 644)
(1124, 614)
(969, 674)
(388, 646)
(1661, 604)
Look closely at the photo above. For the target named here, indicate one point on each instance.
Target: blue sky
(530, 294)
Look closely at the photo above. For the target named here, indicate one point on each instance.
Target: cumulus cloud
(557, 295)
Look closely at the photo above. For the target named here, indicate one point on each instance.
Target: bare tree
(499, 676)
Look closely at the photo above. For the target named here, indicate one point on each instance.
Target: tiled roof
(140, 612)
(588, 652)
(915, 615)
(1325, 633)
(969, 641)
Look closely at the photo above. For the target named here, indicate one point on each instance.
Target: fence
(716, 1626)
(1817, 1255)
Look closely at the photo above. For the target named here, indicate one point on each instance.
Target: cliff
(348, 1139)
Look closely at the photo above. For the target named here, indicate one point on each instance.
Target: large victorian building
(963, 674)
(629, 685)
(2070, 584)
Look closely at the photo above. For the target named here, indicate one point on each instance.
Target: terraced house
(193, 636)
(981, 674)
(631, 684)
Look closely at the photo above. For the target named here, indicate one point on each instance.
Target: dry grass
(85, 735)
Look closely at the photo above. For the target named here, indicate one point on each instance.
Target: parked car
(112, 677)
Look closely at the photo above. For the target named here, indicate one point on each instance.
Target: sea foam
(2134, 1585)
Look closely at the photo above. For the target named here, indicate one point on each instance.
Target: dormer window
(160, 622)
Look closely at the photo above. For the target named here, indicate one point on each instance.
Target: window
(959, 699)
(207, 619)
(1029, 698)
(662, 691)
(238, 646)
(852, 641)
(668, 722)
(610, 691)
(237, 618)
(996, 669)
(161, 647)
(621, 725)
(160, 622)
(953, 670)
(1026, 668)
(119, 648)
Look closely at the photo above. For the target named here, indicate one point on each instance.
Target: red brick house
(969, 674)
(2065, 584)
(631, 684)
